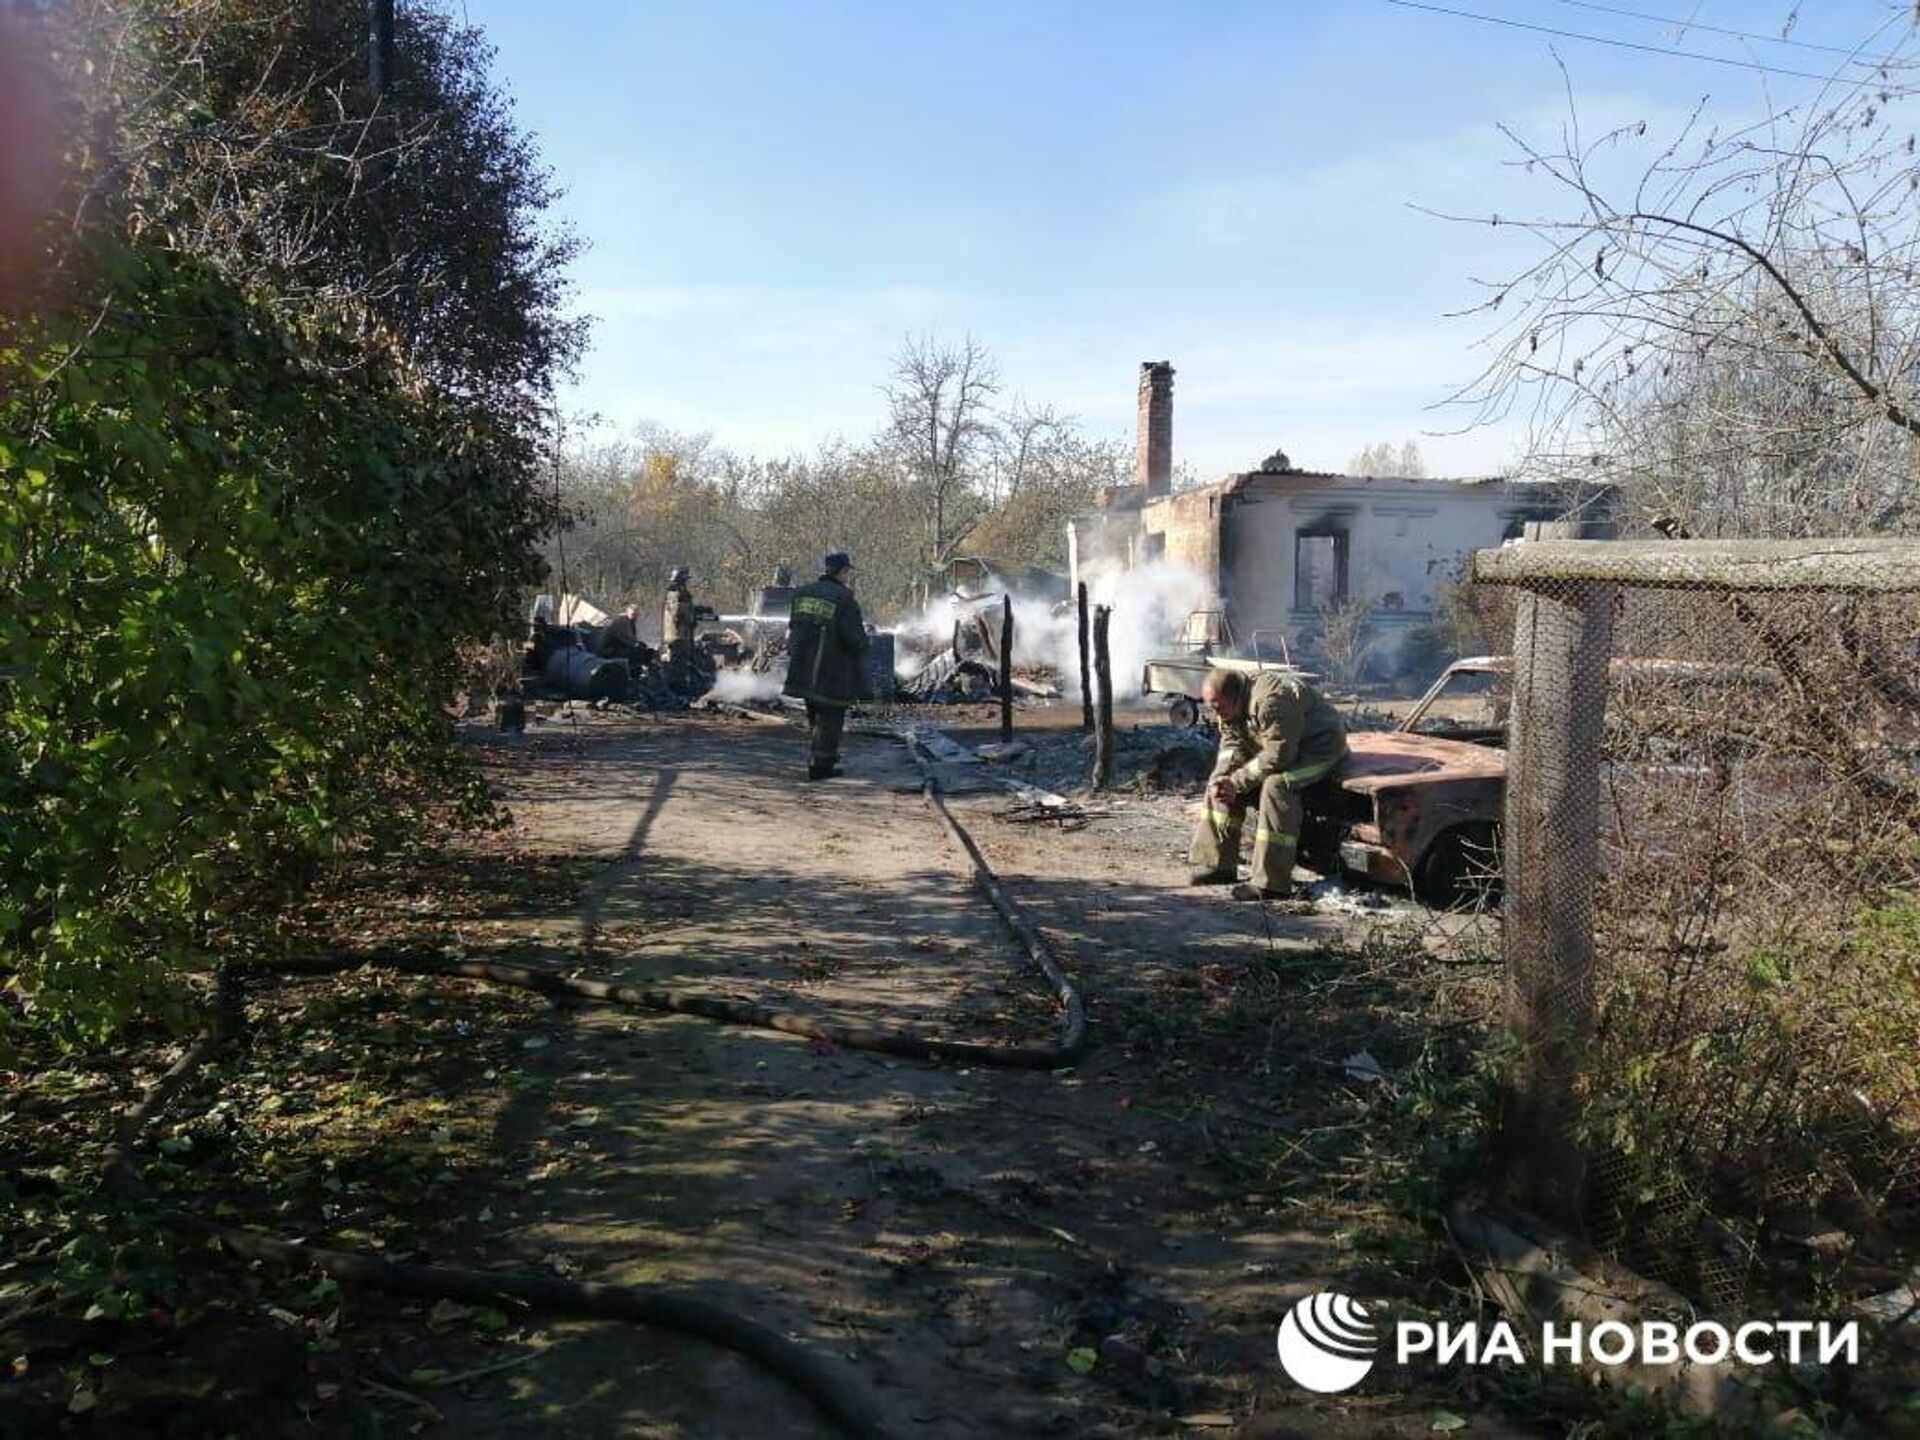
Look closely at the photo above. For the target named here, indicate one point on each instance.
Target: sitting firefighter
(1277, 738)
(619, 638)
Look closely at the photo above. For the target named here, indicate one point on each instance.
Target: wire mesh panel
(1712, 906)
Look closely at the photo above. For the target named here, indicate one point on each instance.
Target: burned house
(1279, 548)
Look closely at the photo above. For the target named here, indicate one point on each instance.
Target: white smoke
(1150, 605)
(740, 687)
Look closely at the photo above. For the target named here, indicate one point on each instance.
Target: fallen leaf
(83, 1400)
(1082, 1360)
(1445, 1421)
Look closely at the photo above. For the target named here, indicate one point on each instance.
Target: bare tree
(1384, 458)
(1059, 473)
(941, 429)
(1732, 333)
(1019, 446)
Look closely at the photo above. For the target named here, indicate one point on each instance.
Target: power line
(1606, 40)
(1717, 29)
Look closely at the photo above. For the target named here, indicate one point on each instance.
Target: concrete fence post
(1562, 642)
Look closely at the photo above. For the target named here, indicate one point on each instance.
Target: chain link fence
(1711, 907)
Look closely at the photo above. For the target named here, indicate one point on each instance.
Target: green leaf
(1445, 1422)
(1082, 1360)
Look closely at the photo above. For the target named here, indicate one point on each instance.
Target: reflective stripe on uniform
(1264, 836)
(1307, 774)
(814, 606)
(1219, 816)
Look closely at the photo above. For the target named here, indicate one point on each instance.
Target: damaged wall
(1296, 543)
(1276, 548)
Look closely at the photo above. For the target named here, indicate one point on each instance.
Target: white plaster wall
(1402, 538)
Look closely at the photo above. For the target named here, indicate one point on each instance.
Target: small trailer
(1206, 643)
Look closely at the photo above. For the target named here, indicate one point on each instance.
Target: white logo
(1327, 1343)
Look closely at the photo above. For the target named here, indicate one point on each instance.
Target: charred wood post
(1086, 681)
(1103, 718)
(1006, 668)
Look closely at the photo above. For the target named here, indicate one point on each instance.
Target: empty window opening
(1319, 570)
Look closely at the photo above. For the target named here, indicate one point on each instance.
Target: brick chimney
(1153, 444)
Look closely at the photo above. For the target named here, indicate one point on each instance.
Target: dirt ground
(1104, 1249)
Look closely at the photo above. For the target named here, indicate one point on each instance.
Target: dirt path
(954, 1235)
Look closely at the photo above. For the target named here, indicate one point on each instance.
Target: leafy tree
(416, 215)
(251, 502)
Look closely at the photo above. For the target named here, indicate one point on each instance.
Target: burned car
(1420, 805)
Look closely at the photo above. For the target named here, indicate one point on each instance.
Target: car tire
(1461, 869)
(1183, 711)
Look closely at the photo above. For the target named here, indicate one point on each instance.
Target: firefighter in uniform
(676, 629)
(1277, 737)
(827, 659)
(619, 638)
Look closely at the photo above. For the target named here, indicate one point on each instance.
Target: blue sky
(775, 194)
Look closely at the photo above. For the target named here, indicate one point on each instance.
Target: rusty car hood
(1379, 759)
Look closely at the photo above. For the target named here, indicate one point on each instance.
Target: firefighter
(827, 659)
(676, 617)
(619, 638)
(1277, 737)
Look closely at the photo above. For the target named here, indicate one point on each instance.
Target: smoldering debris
(1150, 604)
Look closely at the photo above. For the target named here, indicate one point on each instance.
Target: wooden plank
(1865, 566)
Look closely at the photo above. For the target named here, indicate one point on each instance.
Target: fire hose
(834, 1393)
